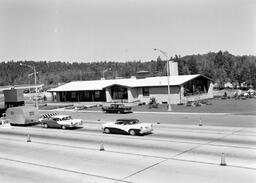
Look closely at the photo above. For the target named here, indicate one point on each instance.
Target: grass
(245, 107)
(218, 106)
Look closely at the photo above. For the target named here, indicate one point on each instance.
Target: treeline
(221, 67)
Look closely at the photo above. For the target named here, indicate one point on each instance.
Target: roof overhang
(95, 85)
(21, 87)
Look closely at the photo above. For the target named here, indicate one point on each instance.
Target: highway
(173, 153)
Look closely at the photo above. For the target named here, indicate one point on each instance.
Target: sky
(124, 30)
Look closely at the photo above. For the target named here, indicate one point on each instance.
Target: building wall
(160, 93)
(13, 95)
(136, 94)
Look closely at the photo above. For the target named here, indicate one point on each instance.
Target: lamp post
(34, 69)
(105, 70)
(168, 76)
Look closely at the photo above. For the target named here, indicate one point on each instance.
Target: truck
(23, 115)
(117, 108)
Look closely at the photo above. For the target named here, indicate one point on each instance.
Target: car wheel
(63, 127)
(106, 130)
(132, 132)
(45, 125)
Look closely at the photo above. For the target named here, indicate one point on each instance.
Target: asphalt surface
(179, 150)
(208, 119)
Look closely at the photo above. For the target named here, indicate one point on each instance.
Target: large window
(145, 91)
(119, 92)
(197, 86)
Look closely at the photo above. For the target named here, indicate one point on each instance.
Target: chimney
(173, 68)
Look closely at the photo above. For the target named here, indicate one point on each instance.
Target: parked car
(127, 126)
(117, 108)
(60, 121)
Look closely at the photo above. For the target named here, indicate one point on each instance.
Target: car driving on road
(61, 121)
(127, 126)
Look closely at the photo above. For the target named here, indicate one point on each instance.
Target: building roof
(25, 86)
(131, 82)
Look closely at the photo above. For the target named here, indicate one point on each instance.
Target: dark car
(117, 108)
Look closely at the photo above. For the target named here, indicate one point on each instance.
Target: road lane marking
(63, 169)
(146, 168)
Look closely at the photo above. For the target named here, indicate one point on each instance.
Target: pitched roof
(131, 82)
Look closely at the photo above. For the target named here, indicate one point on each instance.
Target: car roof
(60, 116)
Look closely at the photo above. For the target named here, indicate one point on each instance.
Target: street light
(168, 76)
(105, 70)
(34, 69)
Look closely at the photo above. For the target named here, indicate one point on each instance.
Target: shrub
(152, 103)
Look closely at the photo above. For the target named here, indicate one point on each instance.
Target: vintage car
(60, 121)
(117, 108)
(127, 126)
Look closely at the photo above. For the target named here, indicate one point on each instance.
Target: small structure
(13, 97)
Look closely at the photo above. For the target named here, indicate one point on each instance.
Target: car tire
(106, 130)
(45, 125)
(63, 127)
(132, 132)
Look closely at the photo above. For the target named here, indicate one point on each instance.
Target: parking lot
(178, 150)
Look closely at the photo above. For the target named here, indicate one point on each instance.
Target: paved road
(210, 119)
(173, 153)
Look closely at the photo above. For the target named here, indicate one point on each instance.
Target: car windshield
(66, 118)
(56, 119)
(62, 118)
(127, 121)
(120, 122)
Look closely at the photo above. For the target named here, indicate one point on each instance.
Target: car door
(53, 123)
(119, 127)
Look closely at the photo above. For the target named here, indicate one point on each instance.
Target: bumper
(146, 131)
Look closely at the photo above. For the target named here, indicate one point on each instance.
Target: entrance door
(119, 93)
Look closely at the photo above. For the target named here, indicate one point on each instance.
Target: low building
(13, 95)
(183, 88)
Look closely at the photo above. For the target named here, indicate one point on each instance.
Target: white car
(61, 121)
(127, 126)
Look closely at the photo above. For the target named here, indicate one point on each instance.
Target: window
(119, 92)
(97, 94)
(145, 91)
(119, 122)
(86, 94)
(73, 95)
